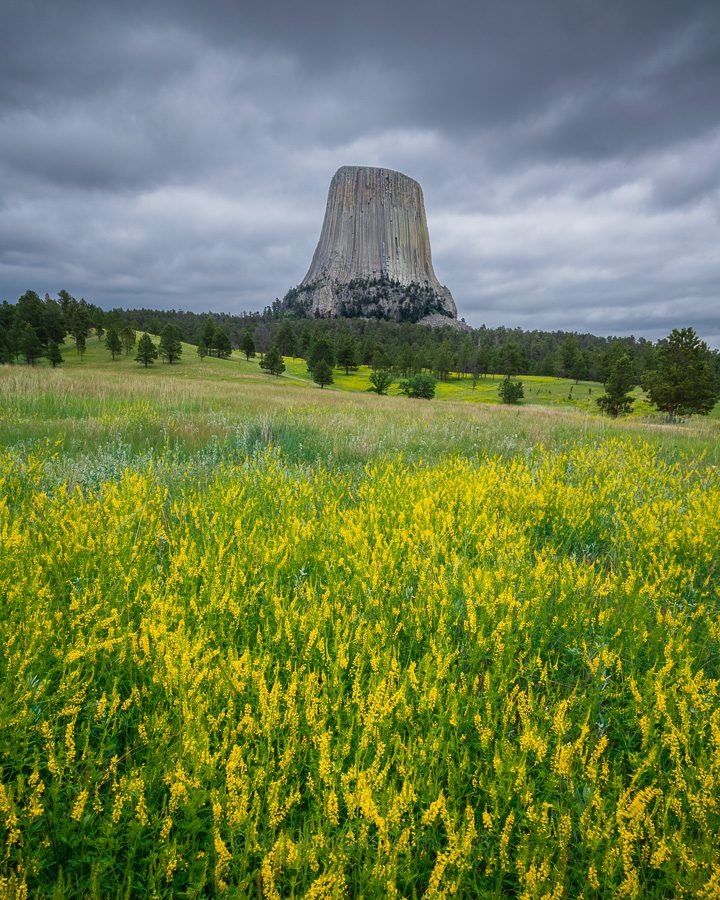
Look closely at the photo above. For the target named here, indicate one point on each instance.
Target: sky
(178, 154)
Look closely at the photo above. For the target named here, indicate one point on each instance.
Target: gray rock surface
(373, 257)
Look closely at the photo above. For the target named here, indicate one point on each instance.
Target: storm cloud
(179, 155)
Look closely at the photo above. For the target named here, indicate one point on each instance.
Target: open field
(268, 640)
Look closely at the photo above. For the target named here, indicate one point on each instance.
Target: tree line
(680, 374)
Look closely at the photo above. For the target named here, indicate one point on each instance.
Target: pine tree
(684, 381)
(511, 391)
(113, 342)
(322, 373)
(347, 353)
(170, 343)
(53, 354)
(222, 344)
(321, 351)
(272, 362)
(286, 339)
(30, 344)
(207, 335)
(247, 344)
(617, 401)
(202, 350)
(569, 356)
(128, 339)
(146, 350)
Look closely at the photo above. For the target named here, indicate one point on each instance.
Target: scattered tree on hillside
(53, 354)
(684, 381)
(79, 324)
(247, 344)
(207, 334)
(222, 344)
(511, 391)
(322, 373)
(113, 342)
(419, 386)
(202, 350)
(380, 381)
(146, 350)
(617, 401)
(128, 339)
(272, 362)
(170, 343)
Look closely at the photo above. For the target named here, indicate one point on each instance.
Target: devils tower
(373, 257)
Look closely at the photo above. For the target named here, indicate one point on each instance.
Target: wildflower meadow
(264, 644)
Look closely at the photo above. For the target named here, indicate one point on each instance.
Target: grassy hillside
(266, 640)
(540, 390)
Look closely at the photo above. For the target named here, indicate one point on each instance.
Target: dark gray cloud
(179, 155)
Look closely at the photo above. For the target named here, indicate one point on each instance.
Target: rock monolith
(373, 257)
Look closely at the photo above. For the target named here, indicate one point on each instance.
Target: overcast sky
(179, 154)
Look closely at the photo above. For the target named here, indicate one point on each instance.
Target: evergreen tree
(170, 343)
(128, 339)
(616, 400)
(113, 342)
(54, 321)
(30, 344)
(202, 350)
(509, 358)
(146, 350)
(53, 354)
(581, 366)
(322, 373)
(79, 324)
(286, 339)
(31, 310)
(321, 351)
(6, 355)
(207, 334)
(222, 344)
(247, 344)
(380, 359)
(684, 381)
(511, 391)
(419, 386)
(272, 362)
(347, 353)
(569, 356)
(406, 360)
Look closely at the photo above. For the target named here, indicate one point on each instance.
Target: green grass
(232, 405)
(261, 637)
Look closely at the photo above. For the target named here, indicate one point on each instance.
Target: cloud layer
(569, 152)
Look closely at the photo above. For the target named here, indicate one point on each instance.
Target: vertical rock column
(374, 227)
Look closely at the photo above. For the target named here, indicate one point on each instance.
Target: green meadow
(266, 640)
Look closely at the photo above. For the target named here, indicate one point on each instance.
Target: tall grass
(283, 642)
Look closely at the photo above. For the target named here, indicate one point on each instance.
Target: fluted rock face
(373, 257)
